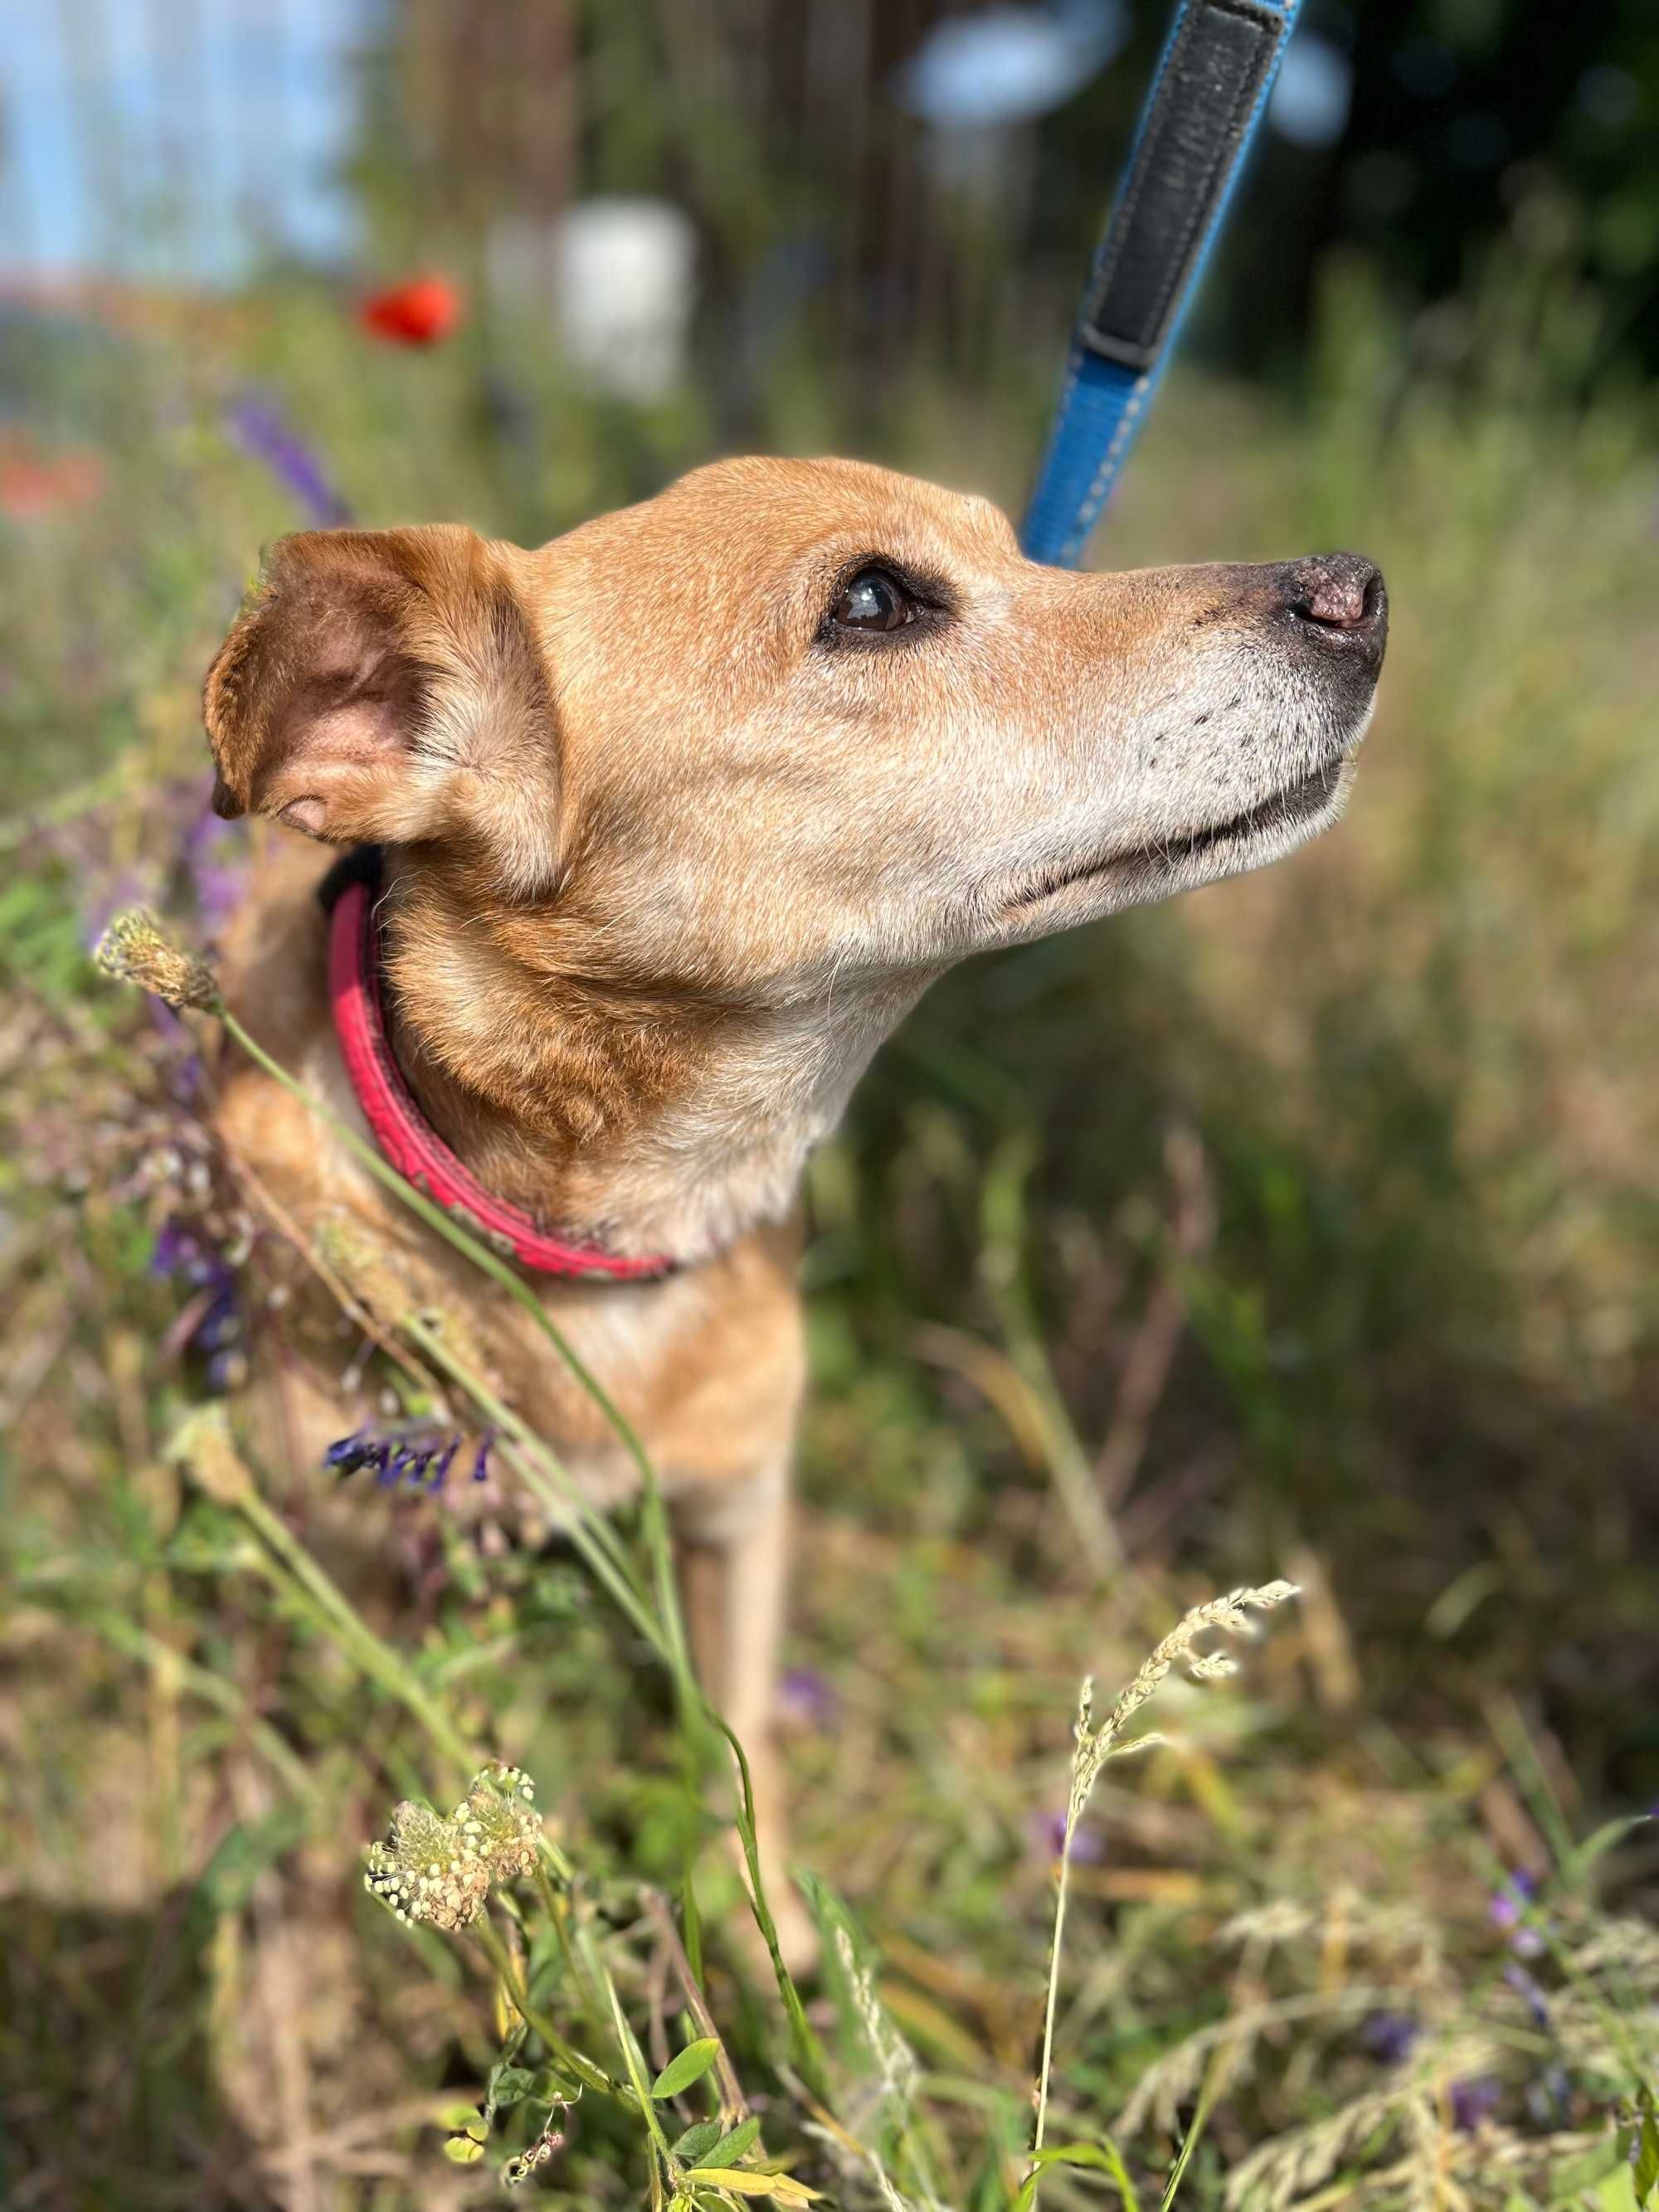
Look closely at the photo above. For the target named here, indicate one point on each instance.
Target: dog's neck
(646, 1119)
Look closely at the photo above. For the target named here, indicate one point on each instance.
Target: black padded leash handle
(1214, 75)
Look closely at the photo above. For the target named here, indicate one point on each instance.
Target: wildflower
(134, 950)
(805, 1699)
(427, 1872)
(1526, 1988)
(418, 1453)
(440, 1871)
(497, 1819)
(1508, 1908)
(1045, 1831)
(32, 484)
(226, 1370)
(179, 1250)
(216, 858)
(259, 427)
(417, 314)
(1473, 2101)
(211, 1322)
(1390, 2037)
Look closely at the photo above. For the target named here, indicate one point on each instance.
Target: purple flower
(807, 1700)
(1473, 2101)
(216, 860)
(179, 1250)
(1390, 2037)
(226, 1370)
(1512, 1897)
(211, 1321)
(175, 1251)
(1508, 1908)
(260, 428)
(1524, 1986)
(1045, 1832)
(416, 1453)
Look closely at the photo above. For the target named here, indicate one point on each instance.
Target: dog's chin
(1136, 875)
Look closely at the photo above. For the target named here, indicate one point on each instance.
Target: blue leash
(1205, 103)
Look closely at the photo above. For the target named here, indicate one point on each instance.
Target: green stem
(574, 2063)
(377, 1660)
(593, 1536)
(1003, 1224)
(808, 2055)
(1046, 2068)
(436, 1219)
(631, 2057)
(1207, 2097)
(656, 1523)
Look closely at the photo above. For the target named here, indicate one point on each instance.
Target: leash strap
(1205, 103)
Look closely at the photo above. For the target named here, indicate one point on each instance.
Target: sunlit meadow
(1306, 1231)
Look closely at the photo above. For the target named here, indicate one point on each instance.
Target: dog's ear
(384, 687)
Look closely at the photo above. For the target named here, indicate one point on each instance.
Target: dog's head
(792, 722)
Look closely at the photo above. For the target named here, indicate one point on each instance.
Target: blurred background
(1309, 1226)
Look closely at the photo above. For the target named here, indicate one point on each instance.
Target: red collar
(400, 1129)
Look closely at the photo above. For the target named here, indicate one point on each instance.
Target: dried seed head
(134, 949)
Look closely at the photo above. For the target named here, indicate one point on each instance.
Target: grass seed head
(134, 950)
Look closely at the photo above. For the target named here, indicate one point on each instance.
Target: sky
(175, 138)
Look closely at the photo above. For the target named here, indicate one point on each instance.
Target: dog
(675, 817)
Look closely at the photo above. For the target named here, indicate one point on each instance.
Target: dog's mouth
(1297, 808)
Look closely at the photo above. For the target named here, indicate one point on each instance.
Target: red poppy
(32, 483)
(417, 314)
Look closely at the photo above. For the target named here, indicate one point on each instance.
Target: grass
(1317, 1210)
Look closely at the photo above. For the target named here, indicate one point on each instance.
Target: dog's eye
(873, 601)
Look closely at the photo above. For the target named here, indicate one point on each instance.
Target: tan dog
(682, 813)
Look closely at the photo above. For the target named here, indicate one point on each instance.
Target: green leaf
(783, 2186)
(508, 2085)
(1645, 2162)
(1609, 1835)
(461, 2150)
(697, 2142)
(1618, 2192)
(728, 2149)
(1104, 2158)
(693, 2063)
(1570, 2180)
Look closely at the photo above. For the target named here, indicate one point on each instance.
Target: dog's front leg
(734, 1573)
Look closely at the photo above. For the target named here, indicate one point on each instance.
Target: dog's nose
(1339, 598)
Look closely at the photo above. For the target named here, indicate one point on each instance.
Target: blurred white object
(1009, 64)
(625, 281)
(1315, 89)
